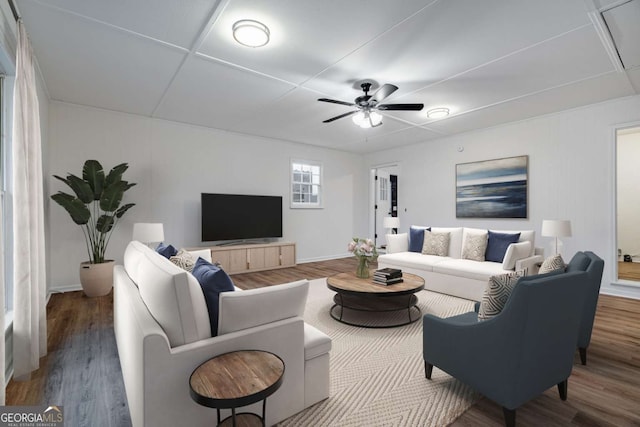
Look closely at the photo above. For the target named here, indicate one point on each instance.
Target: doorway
(384, 201)
(628, 205)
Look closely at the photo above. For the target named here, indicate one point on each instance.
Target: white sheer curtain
(29, 300)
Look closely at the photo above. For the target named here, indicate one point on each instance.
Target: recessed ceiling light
(251, 33)
(437, 113)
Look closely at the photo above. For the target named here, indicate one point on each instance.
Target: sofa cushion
(515, 252)
(184, 260)
(498, 244)
(173, 296)
(435, 243)
(525, 236)
(552, 263)
(416, 237)
(246, 309)
(166, 251)
(474, 244)
(455, 239)
(213, 281)
(316, 343)
(397, 243)
(497, 294)
(411, 260)
(469, 269)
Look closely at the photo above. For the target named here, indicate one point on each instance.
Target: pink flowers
(363, 248)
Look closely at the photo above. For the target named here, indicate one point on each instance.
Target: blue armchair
(518, 354)
(593, 265)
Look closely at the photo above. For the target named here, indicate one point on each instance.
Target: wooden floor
(606, 392)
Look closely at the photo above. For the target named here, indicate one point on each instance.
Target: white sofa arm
(247, 309)
(530, 265)
(397, 243)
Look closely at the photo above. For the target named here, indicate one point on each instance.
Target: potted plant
(96, 207)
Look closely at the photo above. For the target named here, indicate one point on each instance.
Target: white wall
(628, 183)
(571, 176)
(173, 163)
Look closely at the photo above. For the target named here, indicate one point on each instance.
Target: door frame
(372, 193)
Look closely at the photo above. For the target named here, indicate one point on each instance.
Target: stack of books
(387, 276)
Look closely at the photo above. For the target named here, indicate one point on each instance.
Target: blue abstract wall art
(492, 188)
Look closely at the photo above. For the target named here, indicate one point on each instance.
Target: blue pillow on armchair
(498, 244)
(166, 251)
(213, 280)
(416, 238)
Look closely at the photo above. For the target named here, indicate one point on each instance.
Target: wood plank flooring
(606, 392)
(629, 271)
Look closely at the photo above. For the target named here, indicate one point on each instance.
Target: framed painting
(492, 188)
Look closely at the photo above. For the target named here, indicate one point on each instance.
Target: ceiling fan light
(437, 113)
(375, 119)
(251, 33)
(358, 118)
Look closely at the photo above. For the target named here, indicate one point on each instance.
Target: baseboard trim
(62, 289)
(324, 258)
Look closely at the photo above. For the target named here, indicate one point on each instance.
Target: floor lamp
(556, 228)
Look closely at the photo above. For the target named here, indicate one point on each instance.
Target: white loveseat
(454, 275)
(163, 333)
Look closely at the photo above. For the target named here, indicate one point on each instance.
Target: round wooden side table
(235, 379)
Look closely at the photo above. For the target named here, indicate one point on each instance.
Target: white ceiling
(489, 62)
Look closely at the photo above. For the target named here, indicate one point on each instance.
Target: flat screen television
(240, 216)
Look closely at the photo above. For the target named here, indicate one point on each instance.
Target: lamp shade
(148, 232)
(556, 228)
(391, 222)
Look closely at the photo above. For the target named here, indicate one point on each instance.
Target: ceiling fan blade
(340, 116)
(400, 107)
(333, 101)
(384, 91)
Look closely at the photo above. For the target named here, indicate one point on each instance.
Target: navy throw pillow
(166, 251)
(416, 238)
(498, 244)
(213, 280)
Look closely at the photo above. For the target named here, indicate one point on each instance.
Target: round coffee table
(235, 379)
(354, 293)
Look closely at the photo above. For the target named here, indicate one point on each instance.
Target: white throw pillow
(435, 243)
(515, 252)
(474, 244)
(397, 243)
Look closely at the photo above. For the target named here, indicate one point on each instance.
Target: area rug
(377, 375)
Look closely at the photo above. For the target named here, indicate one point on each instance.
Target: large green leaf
(112, 196)
(81, 187)
(93, 173)
(79, 212)
(123, 209)
(104, 223)
(115, 174)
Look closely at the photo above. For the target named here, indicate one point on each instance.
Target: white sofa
(162, 331)
(454, 275)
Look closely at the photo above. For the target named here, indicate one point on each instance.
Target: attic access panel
(622, 21)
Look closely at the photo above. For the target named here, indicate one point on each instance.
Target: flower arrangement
(365, 251)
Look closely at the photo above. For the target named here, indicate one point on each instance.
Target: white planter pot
(96, 279)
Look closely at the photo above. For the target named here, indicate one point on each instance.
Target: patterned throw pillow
(553, 263)
(184, 260)
(435, 243)
(474, 246)
(496, 294)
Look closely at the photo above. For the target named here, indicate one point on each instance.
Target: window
(306, 184)
(384, 183)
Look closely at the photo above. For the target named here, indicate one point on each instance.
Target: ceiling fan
(366, 105)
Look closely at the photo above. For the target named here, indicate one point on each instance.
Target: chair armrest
(530, 265)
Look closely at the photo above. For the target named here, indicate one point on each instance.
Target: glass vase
(363, 268)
